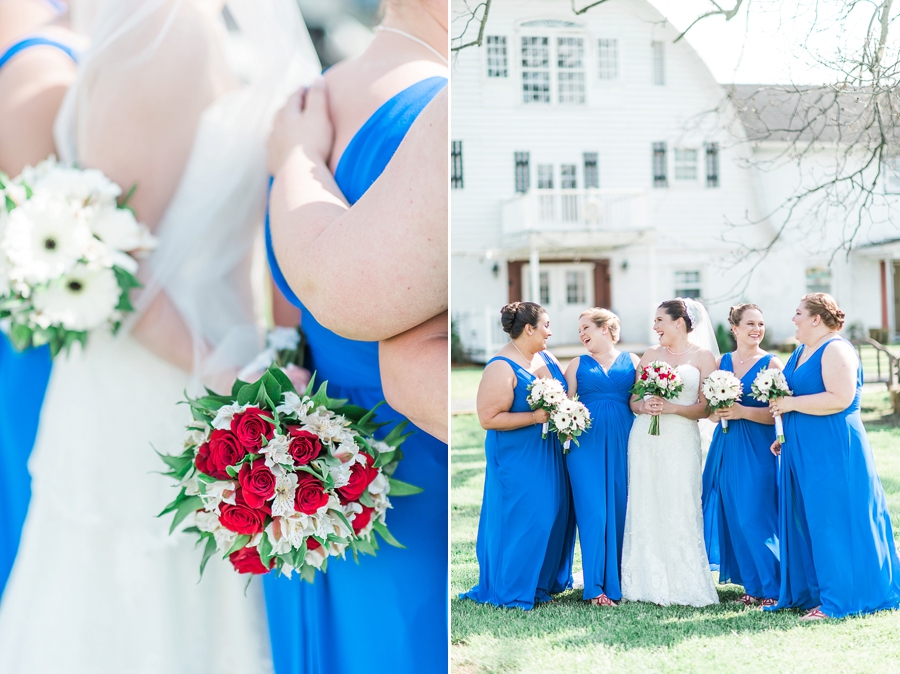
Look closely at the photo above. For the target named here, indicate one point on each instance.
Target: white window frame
(580, 286)
(820, 268)
(680, 163)
(682, 284)
(496, 57)
(571, 81)
(607, 46)
(553, 35)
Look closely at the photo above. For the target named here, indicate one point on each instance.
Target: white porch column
(653, 296)
(534, 262)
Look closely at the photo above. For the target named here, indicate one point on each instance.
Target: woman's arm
(761, 415)
(839, 367)
(572, 378)
(414, 374)
(379, 268)
(496, 394)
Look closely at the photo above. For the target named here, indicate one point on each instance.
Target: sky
(775, 42)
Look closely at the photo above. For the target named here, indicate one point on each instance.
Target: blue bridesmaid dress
(837, 547)
(598, 472)
(23, 382)
(740, 496)
(522, 528)
(388, 613)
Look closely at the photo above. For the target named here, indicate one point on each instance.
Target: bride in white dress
(173, 98)
(664, 556)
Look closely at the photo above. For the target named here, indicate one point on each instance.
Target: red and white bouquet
(68, 242)
(769, 385)
(273, 479)
(722, 388)
(658, 379)
(569, 419)
(546, 393)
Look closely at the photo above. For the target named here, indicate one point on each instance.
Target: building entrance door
(566, 289)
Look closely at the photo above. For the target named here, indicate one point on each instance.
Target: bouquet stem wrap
(722, 389)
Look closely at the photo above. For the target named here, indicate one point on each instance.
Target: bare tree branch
(729, 14)
(586, 7)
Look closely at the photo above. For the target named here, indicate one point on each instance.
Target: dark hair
(737, 312)
(678, 309)
(515, 316)
(824, 306)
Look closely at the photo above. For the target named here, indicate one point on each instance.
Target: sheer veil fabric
(99, 586)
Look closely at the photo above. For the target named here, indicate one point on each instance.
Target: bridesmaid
(740, 492)
(37, 65)
(598, 467)
(522, 528)
(837, 549)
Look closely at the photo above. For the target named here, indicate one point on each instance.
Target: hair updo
(736, 313)
(515, 316)
(601, 317)
(824, 306)
(678, 309)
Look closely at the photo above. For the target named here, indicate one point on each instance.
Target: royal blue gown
(740, 496)
(598, 472)
(837, 547)
(389, 613)
(522, 528)
(23, 382)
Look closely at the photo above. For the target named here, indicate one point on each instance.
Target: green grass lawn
(571, 636)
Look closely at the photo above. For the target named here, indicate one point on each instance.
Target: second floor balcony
(576, 211)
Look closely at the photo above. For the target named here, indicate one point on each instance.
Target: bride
(664, 556)
(170, 98)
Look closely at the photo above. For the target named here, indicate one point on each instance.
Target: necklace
(681, 353)
(520, 353)
(415, 39)
(596, 357)
(749, 358)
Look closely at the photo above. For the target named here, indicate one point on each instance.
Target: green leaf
(10, 204)
(20, 336)
(278, 374)
(185, 508)
(247, 394)
(396, 437)
(236, 387)
(365, 545)
(176, 463)
(308, 573)
(366, 500)
(265, 549)
(123, 200)
(28, 191)
(399, 488)
(239, 543)
(386, 535)
(208, 552)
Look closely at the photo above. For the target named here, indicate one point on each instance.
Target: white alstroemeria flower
(340, 474)
(194, 437)
(381, 446)
(225, 415)
(218, 492)
(283, 499)
(277, 534)
(379, 485)
(316, 557)
(83, 299)
(351, 509)
(276, 451)
(382, 503)
(339, 527)
(328, 426)
(347, 451)
(207, 521)
(337, 549)
(294, 404)
(191, 485)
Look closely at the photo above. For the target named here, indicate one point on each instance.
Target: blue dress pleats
(837, 547)
(598, 472)
(522, 529)
(740, 497)
(321, 627)
(23, 382)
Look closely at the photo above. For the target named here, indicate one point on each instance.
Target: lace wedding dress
(664, 556)
(99, 586)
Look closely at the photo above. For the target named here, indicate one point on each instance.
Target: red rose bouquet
(658, 379)
(277, 480)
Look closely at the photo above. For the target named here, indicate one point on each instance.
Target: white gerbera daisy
(83, 299)
(44, 239)
(80, 185)
(117, 228)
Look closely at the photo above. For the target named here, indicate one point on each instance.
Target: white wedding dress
(99, 586)
(664, 555)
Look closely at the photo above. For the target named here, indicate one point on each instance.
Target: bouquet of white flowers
(569, 419)
(67, 254)
(722, 388)
(768, 385)
(546, 394)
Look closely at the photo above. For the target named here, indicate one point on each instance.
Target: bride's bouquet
(722, 388)
(569, 419)
(546, 393)
(273, 479)
(769, 385)
(658, 379)
(68, 241)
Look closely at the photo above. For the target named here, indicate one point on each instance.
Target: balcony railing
(576, 210)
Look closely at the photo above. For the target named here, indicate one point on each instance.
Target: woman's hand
(304, 123)
(541, 416)
(654, 406)
(775, 448)
(735, 411)
(781, 405)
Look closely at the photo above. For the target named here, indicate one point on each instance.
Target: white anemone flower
(83, 299)
(44, 239)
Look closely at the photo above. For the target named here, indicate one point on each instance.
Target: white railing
(576, 210)
(480, 332)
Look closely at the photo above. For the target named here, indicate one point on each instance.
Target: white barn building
(587, 171)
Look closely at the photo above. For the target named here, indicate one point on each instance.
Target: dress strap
(508, 360)
(36, 41)
(726, 364)
(555, 370)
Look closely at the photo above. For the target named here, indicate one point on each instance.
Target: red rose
(310, 495)
(241, 518)
(246, 560)
(312, 544)
(222, 450)
(250, 428)
(361, 476)
(361, 521)
(304, 447)
(257, 484)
